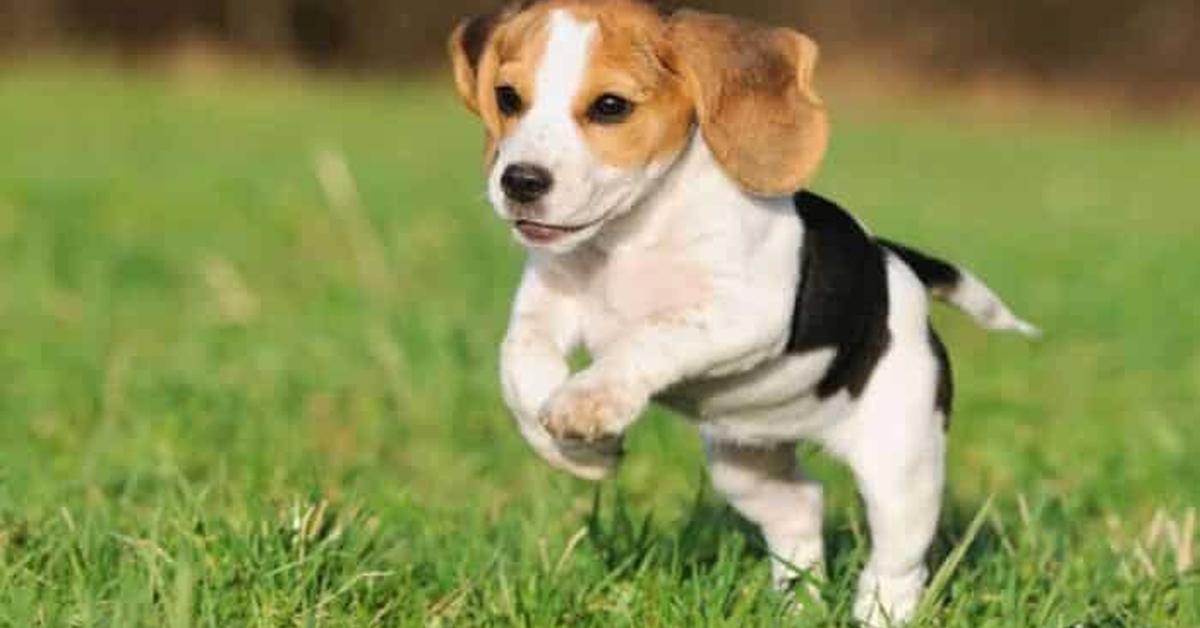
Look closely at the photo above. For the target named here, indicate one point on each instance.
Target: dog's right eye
(610, 109)
(508, 100)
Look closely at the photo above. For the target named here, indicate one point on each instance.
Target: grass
(227, 399)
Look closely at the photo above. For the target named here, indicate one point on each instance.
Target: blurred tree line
(1151, 45)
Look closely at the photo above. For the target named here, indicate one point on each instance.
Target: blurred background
(1145, 52)
(251, 296)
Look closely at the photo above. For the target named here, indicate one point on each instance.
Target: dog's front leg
(598, 404)
(533, 365)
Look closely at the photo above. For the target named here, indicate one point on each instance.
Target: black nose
(526, 183)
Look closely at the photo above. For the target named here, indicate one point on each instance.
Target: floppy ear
(754, 98)
(467, 45)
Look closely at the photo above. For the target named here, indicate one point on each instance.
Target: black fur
(475, 36)
(932, 272)
(842, 301)
(945, 381)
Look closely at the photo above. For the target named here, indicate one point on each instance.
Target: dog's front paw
(590, 413)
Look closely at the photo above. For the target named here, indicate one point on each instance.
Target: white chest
(647, 289)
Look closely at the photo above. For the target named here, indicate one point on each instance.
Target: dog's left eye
(508, 99)
(610, 109)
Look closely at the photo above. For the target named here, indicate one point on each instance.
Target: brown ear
(754, 98)
(467, 45)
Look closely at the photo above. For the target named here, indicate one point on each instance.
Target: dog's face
(588, 103)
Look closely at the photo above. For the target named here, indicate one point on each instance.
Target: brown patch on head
(752, 87)
(500, 48)
(512, 61)
(466, 46)
(630, 59)
(469, 43)
(749, 87)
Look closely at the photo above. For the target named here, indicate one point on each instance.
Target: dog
(653, 163)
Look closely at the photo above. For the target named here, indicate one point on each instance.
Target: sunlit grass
(230, 397)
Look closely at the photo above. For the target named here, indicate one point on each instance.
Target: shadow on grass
(711, 533)
(693, 545)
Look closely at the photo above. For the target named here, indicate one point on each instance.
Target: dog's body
(695, 278)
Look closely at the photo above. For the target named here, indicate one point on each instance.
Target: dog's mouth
(541, 233)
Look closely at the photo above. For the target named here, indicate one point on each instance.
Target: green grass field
(227, 399)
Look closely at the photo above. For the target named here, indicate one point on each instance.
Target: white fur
(683, 292)
(974, 298)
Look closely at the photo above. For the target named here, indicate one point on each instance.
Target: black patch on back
(842, 300)
(945, 380)
(932, 272)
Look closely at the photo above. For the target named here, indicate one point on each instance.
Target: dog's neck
(694, 204)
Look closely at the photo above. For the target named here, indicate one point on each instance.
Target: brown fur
(502, 48)
(754, 98)
(629, 60)
(749, 87)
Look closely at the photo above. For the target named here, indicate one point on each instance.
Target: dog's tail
(958, 287)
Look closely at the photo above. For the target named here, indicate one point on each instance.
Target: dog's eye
(508, 100)
(610, 109)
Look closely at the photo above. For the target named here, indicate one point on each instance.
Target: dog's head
(588, 103)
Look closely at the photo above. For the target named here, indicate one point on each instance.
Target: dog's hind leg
(895, 443)
(902, 492)
(897, 454)
(766, 486)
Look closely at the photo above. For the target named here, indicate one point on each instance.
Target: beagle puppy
(653, 164)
